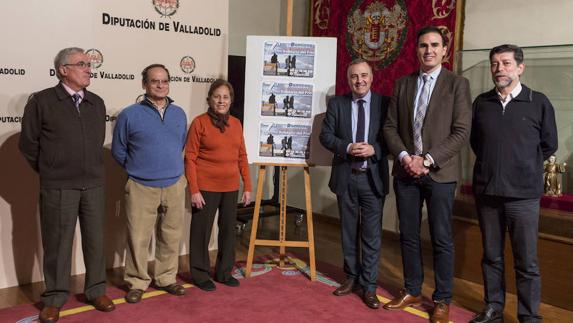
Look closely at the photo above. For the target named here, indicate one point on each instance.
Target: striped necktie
(421, 109)
(77, 100)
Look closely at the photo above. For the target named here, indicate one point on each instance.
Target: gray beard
(504, 83)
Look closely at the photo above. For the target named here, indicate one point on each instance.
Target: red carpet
(271, 295)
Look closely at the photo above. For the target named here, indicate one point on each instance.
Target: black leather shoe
(173, 289)
(207, 285)
(134, 296)
(231, 282)
(489, 315)
(346, 288)
(371, 300)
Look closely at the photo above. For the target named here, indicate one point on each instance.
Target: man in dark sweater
(148, 142)
(63, 131)
(513, 132)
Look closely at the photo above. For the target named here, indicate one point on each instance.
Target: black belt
(359, 170)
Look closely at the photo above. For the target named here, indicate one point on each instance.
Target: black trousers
(59, 212)
(521, 218)
(360, 209)
(201, 227)
(439, 197)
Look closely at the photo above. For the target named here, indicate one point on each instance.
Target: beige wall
(125, 51)
(525, 23)
(265, 18)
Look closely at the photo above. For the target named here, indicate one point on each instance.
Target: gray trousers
(520, 217)
(59, 212)
(360, 211)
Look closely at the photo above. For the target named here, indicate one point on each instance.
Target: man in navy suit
(352, 132)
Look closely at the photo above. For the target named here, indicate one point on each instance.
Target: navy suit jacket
(336, 135)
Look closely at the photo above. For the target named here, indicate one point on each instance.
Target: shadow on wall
(115, 225)
(319, 156)
(115, 232)
(20, 223)
(20, 189)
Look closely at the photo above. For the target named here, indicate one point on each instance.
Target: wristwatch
(427, 162)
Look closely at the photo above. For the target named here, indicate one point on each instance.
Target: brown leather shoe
(174, 289)
(402, 301)
(103, 303)
(49, 314)
(346, 288)
(371, 300)
(441, 313)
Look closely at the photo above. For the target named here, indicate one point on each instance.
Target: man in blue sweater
(148, 142)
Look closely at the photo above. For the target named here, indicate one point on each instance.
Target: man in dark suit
(352, 132)
(513, 132)
(428, 122)
(63, 131)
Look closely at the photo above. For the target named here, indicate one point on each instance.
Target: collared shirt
(420, 83)
(367, 98)
(161, 111)
(514, 93)
(72, 92)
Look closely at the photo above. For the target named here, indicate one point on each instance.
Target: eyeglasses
(80, 64)
(158, 82)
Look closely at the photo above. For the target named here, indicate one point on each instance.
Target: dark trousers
(201, 226)
(360, 211)
(521, 218)
(439, 197)
(59, 211)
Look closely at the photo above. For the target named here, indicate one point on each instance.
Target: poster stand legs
(282, 243)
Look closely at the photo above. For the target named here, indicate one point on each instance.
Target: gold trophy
(552, 186)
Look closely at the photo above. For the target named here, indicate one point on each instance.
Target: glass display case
(548, 69)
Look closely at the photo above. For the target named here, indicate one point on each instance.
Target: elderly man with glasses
(63, 131)
(148, 142)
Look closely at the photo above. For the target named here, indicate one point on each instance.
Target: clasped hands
(414, 166)
(361, 149)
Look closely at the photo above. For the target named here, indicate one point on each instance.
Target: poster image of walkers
(284, 140)
(289, 59)
(286, 100)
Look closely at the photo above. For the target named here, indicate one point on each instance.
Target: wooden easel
(282, 243)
